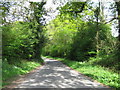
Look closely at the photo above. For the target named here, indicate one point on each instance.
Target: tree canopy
(79, 32)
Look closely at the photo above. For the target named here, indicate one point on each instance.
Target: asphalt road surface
(54, 74)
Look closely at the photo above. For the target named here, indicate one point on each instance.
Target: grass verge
(101, 74)
(11, 71)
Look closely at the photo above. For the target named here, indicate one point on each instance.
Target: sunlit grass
(9, 71)
(0, 73)
(101, 74)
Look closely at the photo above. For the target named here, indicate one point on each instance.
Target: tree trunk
(97, 14)
(39, 45)
(118, 9)
(37, 15)
(38, 51)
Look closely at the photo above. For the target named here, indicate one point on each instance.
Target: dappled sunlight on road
(54, 74)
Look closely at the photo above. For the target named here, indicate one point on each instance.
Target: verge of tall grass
(0, 73)
(19, 68)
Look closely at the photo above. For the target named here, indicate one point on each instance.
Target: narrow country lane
(54, 74)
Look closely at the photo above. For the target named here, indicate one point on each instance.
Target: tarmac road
(54, 74)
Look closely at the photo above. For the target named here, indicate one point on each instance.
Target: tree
(73, 8)
(118, 10)
(23, 39)
(5, 6)
(38, 12)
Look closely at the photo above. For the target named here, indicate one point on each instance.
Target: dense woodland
(84, 36)
(80, 32)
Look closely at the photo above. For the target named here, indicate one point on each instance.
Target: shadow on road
(54, 74)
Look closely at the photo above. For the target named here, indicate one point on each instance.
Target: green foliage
(60, 33)
(83, 42)
(18, 41)
(0, 73)
(10, 71)
(23, 39)
(109, 61)
(75, 39)
(74, 34)
(37, 15)
(87, 43)
(4, 7)
(73, 7)
(79, 39)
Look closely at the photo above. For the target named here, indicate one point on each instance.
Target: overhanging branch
(111, 20)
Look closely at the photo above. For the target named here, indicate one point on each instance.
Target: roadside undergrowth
(13, 70)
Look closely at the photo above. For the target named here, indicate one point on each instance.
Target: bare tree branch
(111, 20)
